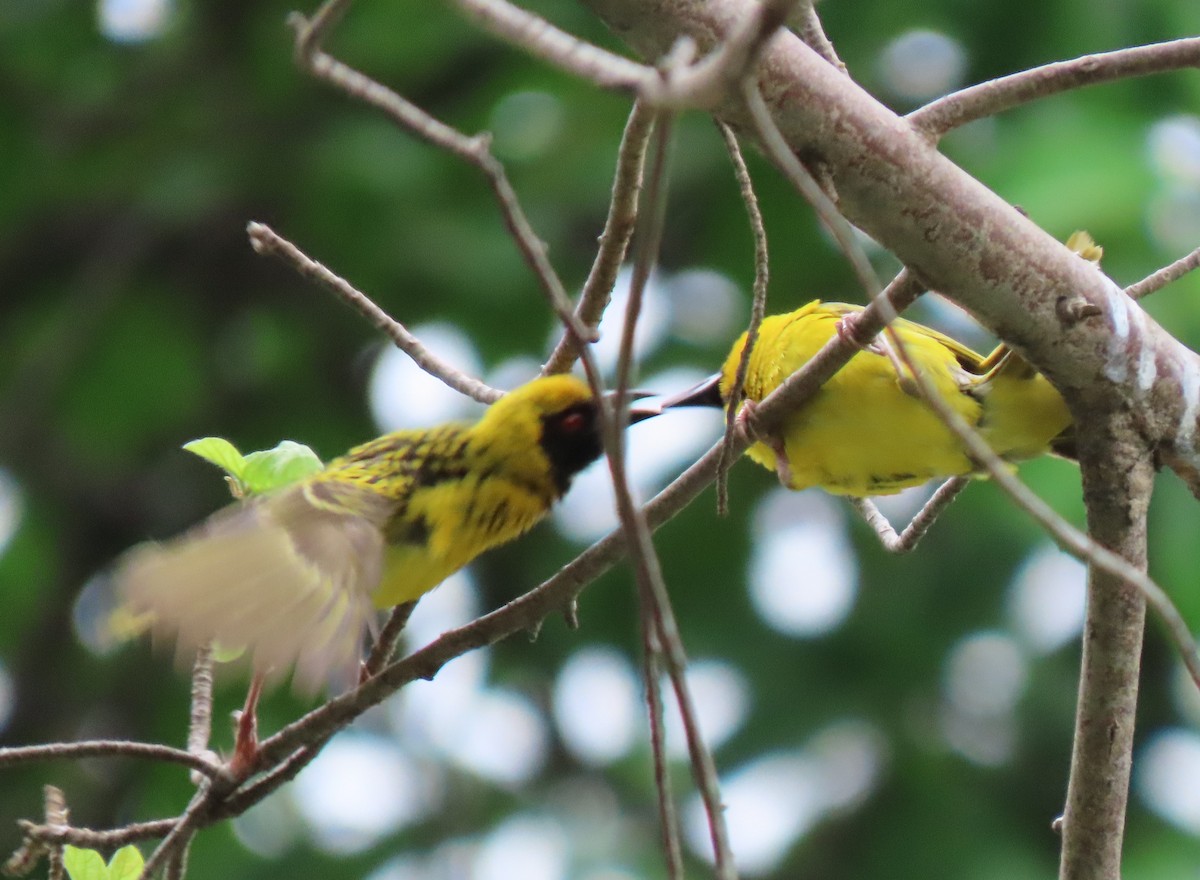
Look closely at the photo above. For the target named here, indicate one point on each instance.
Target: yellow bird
(294, 575)
(867, 431)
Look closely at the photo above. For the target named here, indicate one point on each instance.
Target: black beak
(706, 393)
(638, 412)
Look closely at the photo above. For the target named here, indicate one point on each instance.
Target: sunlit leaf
(285, 464)
(126, 864)
(84, 864)
(220, 452)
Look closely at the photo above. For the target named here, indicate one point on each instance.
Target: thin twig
(92, 839)
(806, 23)
(540, 38)
(918, 525)
(385, 644)
(668, 817)
(702, 85)
(107, 748)
(200, 716)
(475, 151)
(57, 816)
(1164, 276)
(180, 835)
(614, 240)
(997, 95)
(658, 620)
(265, 240)
(758, 308)
(785, 160)
(1069, 538)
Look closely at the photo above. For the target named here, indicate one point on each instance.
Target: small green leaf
(84, 864)
(220, 452)
(286, 463)
(126, 864)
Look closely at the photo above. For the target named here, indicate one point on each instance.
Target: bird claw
(847, 329)
(745, 425)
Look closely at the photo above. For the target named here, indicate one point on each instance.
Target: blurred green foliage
(134, 315)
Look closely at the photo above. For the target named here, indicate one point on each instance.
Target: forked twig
(918, 525)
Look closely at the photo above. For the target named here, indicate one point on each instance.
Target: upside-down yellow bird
(867, 431)
(294, 575)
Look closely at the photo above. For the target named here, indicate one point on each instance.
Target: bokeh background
(871, 716)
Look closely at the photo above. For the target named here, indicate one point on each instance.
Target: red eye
(572, 423)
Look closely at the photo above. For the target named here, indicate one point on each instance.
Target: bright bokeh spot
(769, 804)
(850, 755)
(922, 64)
(773, 800)
(525, 847)
(1167, 774)
(1046, 599)
(985, 674)
(653, 322)
(402, 395)
(503, 738)
(270, 827)
(133, 21)
(803, 574)
(705, 306)
(657, 450)
(721, 696)
(526, 124)
(986, 740)
(597, 704)
(1173, 147)
(360, 788)
(11, 506)
(1173, 219)
(901, 507)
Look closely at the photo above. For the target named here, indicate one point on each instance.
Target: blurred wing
(289, 577)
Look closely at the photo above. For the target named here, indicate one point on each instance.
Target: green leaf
(225, 653)
(220, 452)
(84, 864)
(126, 864)
(285, 464)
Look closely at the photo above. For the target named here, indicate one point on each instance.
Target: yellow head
(547, 427)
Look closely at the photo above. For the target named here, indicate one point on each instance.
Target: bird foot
(847, 329)
(745, 422)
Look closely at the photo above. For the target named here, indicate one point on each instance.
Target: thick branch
(956, 235)
(1117, 482)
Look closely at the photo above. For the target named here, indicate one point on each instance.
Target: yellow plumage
(866, 432)
(294, 574)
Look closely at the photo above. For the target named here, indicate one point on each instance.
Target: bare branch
(265, 240)
(385, 644)
(785, 160)
(758, 307)
(997, 95)
(806, 23)
(107, 748)
(658, 618)
(614, 240)
(919, 525)
(1164, 276)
